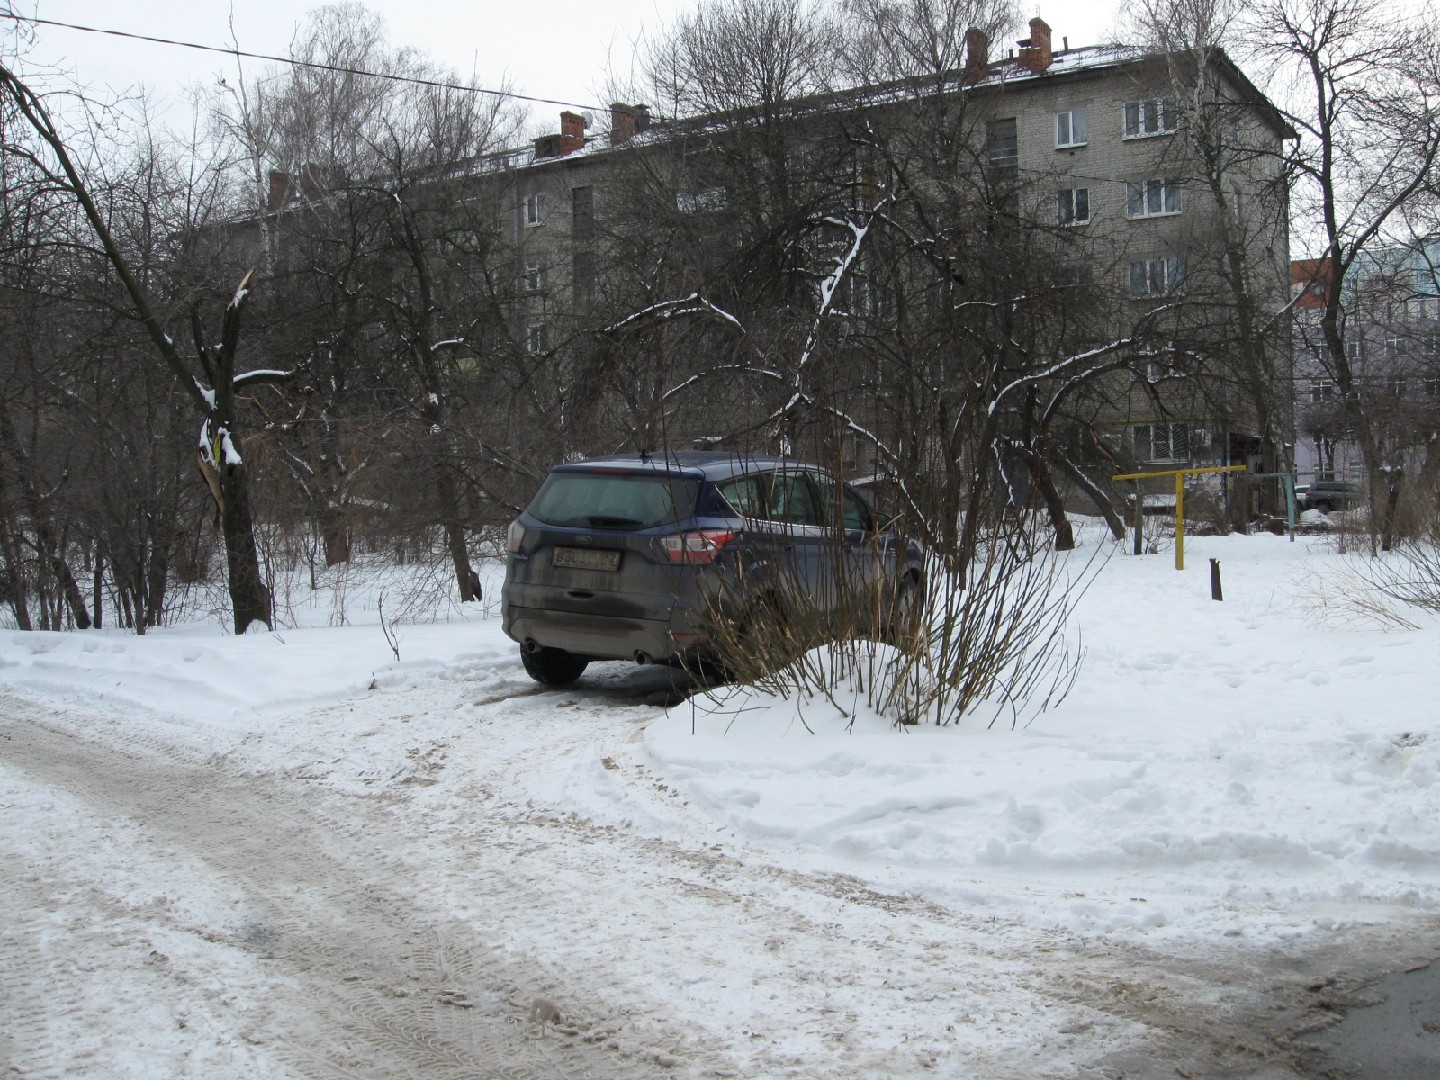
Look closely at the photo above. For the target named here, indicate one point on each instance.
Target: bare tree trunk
(216, 403)
(48, 546)
(1097, 496)
(432, 409)
(335, 534)
(1054, 504)
(249, 597)
(14, 566)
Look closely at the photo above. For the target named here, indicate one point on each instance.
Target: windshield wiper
(600, 521)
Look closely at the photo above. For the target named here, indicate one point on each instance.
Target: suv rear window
(615, 500)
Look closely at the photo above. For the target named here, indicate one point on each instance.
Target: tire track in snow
(417, 925)
(367, 983)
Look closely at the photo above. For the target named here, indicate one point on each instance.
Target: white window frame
(1161, 276)
(534, 277)
(1069, 204)
(1167, 442)
(1071, 129)
(534, 209)
(1149, 117)
(1156, 197)
(535, 338)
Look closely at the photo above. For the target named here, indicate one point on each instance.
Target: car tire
(552, 667)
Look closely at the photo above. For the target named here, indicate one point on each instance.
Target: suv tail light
(514, 536)
(700, 546)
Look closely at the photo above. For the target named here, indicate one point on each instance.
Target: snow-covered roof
(1005, 72)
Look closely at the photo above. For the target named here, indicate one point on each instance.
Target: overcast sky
(557, 49)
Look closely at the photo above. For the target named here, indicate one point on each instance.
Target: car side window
(838, 499)
(790, 498)
(742, 495)
(856, 511)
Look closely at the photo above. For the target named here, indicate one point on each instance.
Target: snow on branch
(217, 447)
(831, 282)
(746, 369)
(260, 375)
(694, 304)
(1067, 366)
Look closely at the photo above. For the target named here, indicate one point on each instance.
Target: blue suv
(642, 557)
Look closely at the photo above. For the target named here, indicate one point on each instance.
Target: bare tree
(374, 178)
(210, 382)
(1360, 81)
(1232, 156)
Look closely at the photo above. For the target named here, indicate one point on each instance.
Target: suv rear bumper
(600, 637)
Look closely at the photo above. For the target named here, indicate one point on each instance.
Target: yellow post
(1179, 521)
(1179, 475)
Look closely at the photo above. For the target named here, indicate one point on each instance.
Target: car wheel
(552, 667)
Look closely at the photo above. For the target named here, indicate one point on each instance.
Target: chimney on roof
(622, 123)
(570, 139)
(319, 180)
(642, 118)
(279, 189)
(1035, 50)
(572, 133)
(977, 56)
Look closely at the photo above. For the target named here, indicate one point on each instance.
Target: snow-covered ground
(293, 854)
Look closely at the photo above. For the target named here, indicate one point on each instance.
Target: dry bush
(1350, 597)
(992, 637)
(1410, 574)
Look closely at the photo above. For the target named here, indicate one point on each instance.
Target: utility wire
(240, 53)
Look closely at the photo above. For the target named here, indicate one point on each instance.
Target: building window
(534, 277)
(700, 202)
(582, 214)
(1152, 198)
(1070, 128)
(535, 209)
(1155, 116)
(582, 281)
(1395, 349)
(1161, 442)
(535, 339)
(1156, 277)
(1074, 206)
(1002, 146)
(1321, 392)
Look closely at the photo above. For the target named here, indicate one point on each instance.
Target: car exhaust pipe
(530, 645)
(642, 657)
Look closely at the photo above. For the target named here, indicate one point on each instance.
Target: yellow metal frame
(1179, 475)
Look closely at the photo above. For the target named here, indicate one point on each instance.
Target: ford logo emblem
(582, 539)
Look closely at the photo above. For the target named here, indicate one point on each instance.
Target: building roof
(1011, 71)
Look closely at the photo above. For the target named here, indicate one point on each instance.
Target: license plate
(586, 559)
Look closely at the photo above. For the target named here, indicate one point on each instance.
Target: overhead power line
(241, 53)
